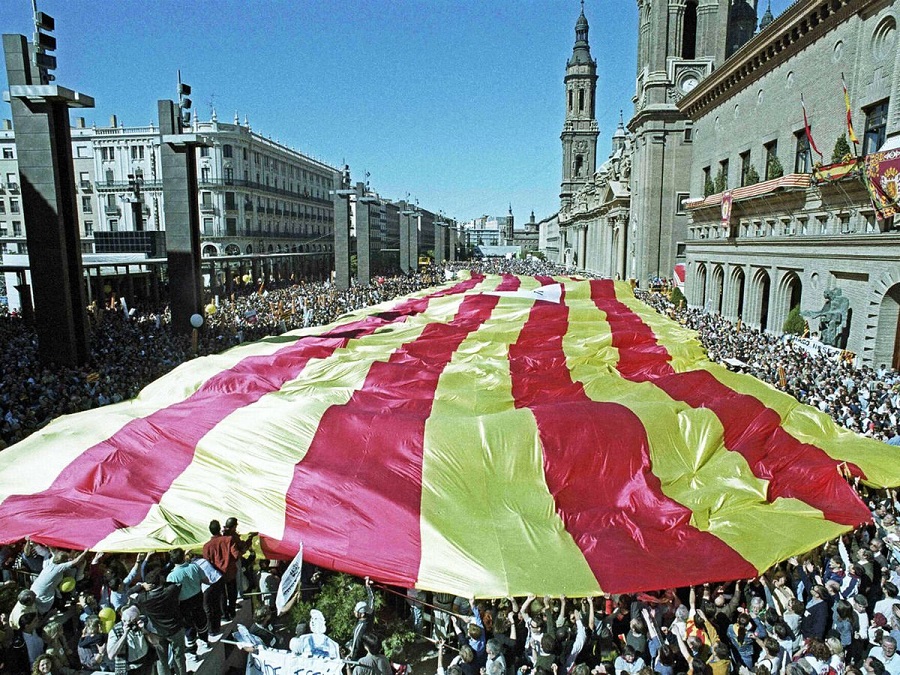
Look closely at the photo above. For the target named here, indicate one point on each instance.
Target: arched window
(689, 31)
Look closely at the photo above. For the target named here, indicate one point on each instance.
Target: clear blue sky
(457, 102)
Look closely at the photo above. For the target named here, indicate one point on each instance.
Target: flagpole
(850, 130)
(812, 143)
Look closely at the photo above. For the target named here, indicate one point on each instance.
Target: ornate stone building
(787, 239)
(595, 223)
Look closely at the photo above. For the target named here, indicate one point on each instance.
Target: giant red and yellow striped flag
(501, 435)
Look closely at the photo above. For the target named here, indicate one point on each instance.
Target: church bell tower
(580, 131)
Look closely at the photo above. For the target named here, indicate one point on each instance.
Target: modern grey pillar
(342, 231)
(47, 182)
(439, 233)
(405, 219)
(363, 239)
(415, 224)
(178, 162)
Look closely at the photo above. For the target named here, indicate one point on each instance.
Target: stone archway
(789, 295)
(758, 299)
(887, 342)
(717, 289)
(210, 251)
(698, 292)
(734, 303)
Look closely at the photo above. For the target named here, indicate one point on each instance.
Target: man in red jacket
(224, 550)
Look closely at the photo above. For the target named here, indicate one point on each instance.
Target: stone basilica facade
(717, 118)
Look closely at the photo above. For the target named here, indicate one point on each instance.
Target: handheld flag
(850, 132)
(290, 581)
(809, 137)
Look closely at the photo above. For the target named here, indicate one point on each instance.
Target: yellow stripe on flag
(25, 469)
(261, 443)
(469, 468)
(808, 425)
(686, 454)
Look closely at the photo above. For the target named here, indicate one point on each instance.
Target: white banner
(279, 662)
(290, 580)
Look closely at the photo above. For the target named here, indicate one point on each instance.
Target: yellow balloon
(211, 309)
(247, 278)
(107, 617)
(67, 585)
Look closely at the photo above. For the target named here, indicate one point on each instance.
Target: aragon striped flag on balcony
(500, 435)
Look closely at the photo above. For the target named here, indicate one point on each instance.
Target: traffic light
(184, 103)
(44, 24)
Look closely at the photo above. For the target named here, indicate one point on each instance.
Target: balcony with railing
(124, 185)
(208, 183)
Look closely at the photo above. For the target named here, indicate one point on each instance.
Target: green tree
(752, 176)
(709, 188)
(795, 324)
(336, 600)
(841, 149)
(775, 170)
(721, 181)
(399, 637)
(677, 298)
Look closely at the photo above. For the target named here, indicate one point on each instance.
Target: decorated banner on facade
(497, 436)
(267, 661)
(883, 181)
(727, 204)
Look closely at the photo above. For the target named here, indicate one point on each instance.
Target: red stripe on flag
(794, 469)
(354, 501)
(597, 466)
(114, 483)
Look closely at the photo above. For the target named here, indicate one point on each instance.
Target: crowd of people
(834, 611)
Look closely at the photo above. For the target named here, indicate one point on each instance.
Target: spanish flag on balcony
(501, 435)
(850, 132)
